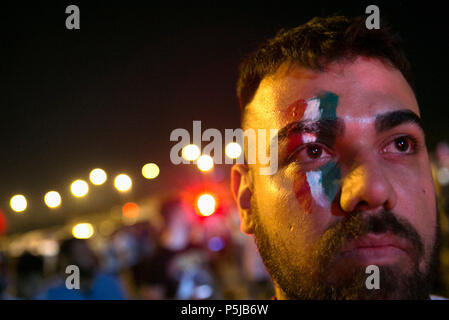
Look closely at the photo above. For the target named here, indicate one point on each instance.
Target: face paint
(303, 192)
(318, 186)
(323, 106)
(296, 109)
(324, 183)
(299, 139)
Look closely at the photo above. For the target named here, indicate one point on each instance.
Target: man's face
(353, 187)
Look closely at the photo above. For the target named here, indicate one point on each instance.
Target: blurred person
(29, 276)
(126, 253)
(353, 186)
(4, 278)
(176, 260)
(227, 267)
(442, 154)
(151, 273)
(190, 270)
(94, 284)
(118, 256)
(441, 176)
(125, 247)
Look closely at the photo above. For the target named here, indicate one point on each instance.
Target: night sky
(108, 95)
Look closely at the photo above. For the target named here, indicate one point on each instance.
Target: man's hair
(316, 44)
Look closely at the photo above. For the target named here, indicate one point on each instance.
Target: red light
(3, 222)
(213, 206)
(130, 210)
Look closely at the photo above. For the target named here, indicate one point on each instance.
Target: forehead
(364, 88)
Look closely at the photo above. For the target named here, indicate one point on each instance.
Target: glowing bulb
(52, 199)
(206, 204)
(79, 188)
(130, 210)
(98, 176)
(205, 163)
(83, 231)
(18, 203)
(233, 150)
(191, 152)
(123, 182)
(150, 170)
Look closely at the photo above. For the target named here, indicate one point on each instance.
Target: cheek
(290, 214)
(416, 202)
(280, 213)
(317, 188)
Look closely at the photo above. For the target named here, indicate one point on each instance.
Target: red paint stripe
(302, 191)
(296, 109)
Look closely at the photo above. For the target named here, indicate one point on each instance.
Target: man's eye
(404, 145)
(311, 152)
(314, 151)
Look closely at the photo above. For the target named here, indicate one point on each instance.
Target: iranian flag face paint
(319, 186)
(324, 182)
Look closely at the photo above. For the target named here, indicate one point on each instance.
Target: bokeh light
(123, 182)
(216, 244)
(205, 163)
(130, 210)
(3, 222)
(98, 176)
(443, 176)
(48, 248)
(150, 170)
(233, 150)
(52, 199)
(79, 188)
(206, 204)
(83, 230)
(18, 203)
(191, 152)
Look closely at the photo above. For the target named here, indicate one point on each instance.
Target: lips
(379, 247)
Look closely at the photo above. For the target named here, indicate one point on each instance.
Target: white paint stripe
(313, 110)
(316, 187)
(308, 137)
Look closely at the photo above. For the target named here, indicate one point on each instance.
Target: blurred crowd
(440, 167)
(179, 258)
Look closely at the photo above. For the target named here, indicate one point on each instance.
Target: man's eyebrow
(329, 128)
(389, 120)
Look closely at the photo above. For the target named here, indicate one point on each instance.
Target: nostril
(336, 208)
(362, 206)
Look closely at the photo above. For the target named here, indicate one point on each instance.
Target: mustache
(359, 224)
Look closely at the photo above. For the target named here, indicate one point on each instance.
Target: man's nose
(366, 187)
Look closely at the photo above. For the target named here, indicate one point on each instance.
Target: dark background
(109, 95)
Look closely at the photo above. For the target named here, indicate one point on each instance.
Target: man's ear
(240, 188)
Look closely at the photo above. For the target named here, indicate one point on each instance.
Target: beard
(314, 277)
